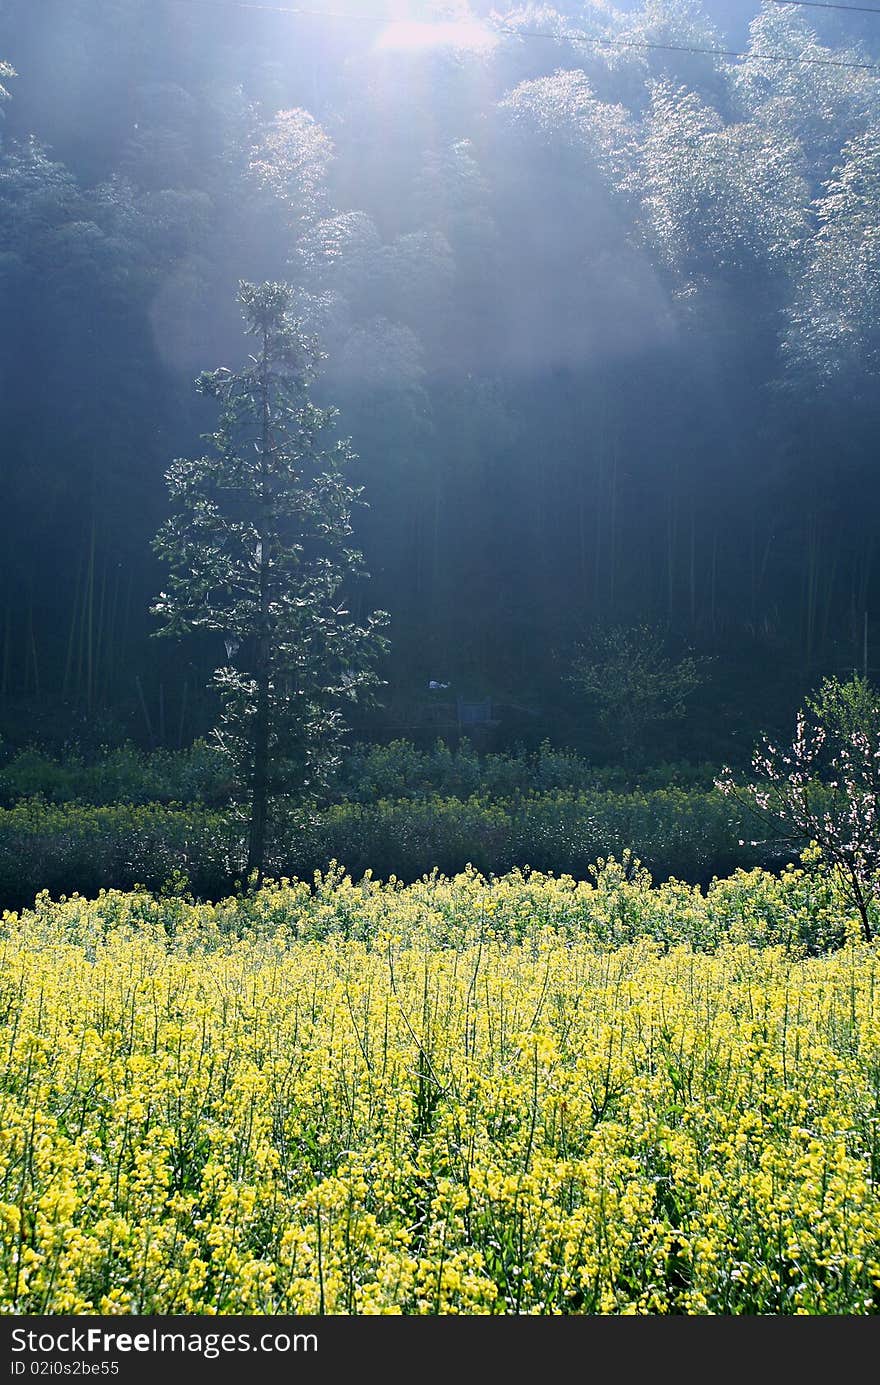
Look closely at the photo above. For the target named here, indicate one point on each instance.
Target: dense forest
(598, 292)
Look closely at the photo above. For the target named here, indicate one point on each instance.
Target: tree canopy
(599, 309)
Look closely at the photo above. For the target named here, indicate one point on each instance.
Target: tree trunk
(861, 905)
(260, 778)
(263, 662)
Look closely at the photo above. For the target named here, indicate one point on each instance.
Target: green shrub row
(401, 769)
(77, 847)
(125, 774)
(688, 834)
(122, 774)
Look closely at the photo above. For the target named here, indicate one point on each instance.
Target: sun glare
(412, 36)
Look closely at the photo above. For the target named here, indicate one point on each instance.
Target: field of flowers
(527, 1095)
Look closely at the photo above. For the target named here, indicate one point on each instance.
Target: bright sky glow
(410, 36)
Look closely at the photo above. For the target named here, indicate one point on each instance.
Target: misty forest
(439, 495)
(597, 306)
(591, 293)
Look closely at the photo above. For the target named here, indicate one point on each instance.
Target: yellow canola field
(201, 1118)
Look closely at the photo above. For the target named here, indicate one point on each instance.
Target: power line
(828, 5)
(684, 48)
(639, 45)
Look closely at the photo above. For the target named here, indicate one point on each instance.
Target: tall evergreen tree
(259, 551)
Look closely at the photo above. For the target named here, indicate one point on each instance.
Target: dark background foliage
(601, 320)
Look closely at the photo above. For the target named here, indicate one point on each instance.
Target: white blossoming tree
(825, 787)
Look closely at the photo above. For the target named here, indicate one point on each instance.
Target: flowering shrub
(825, 787)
